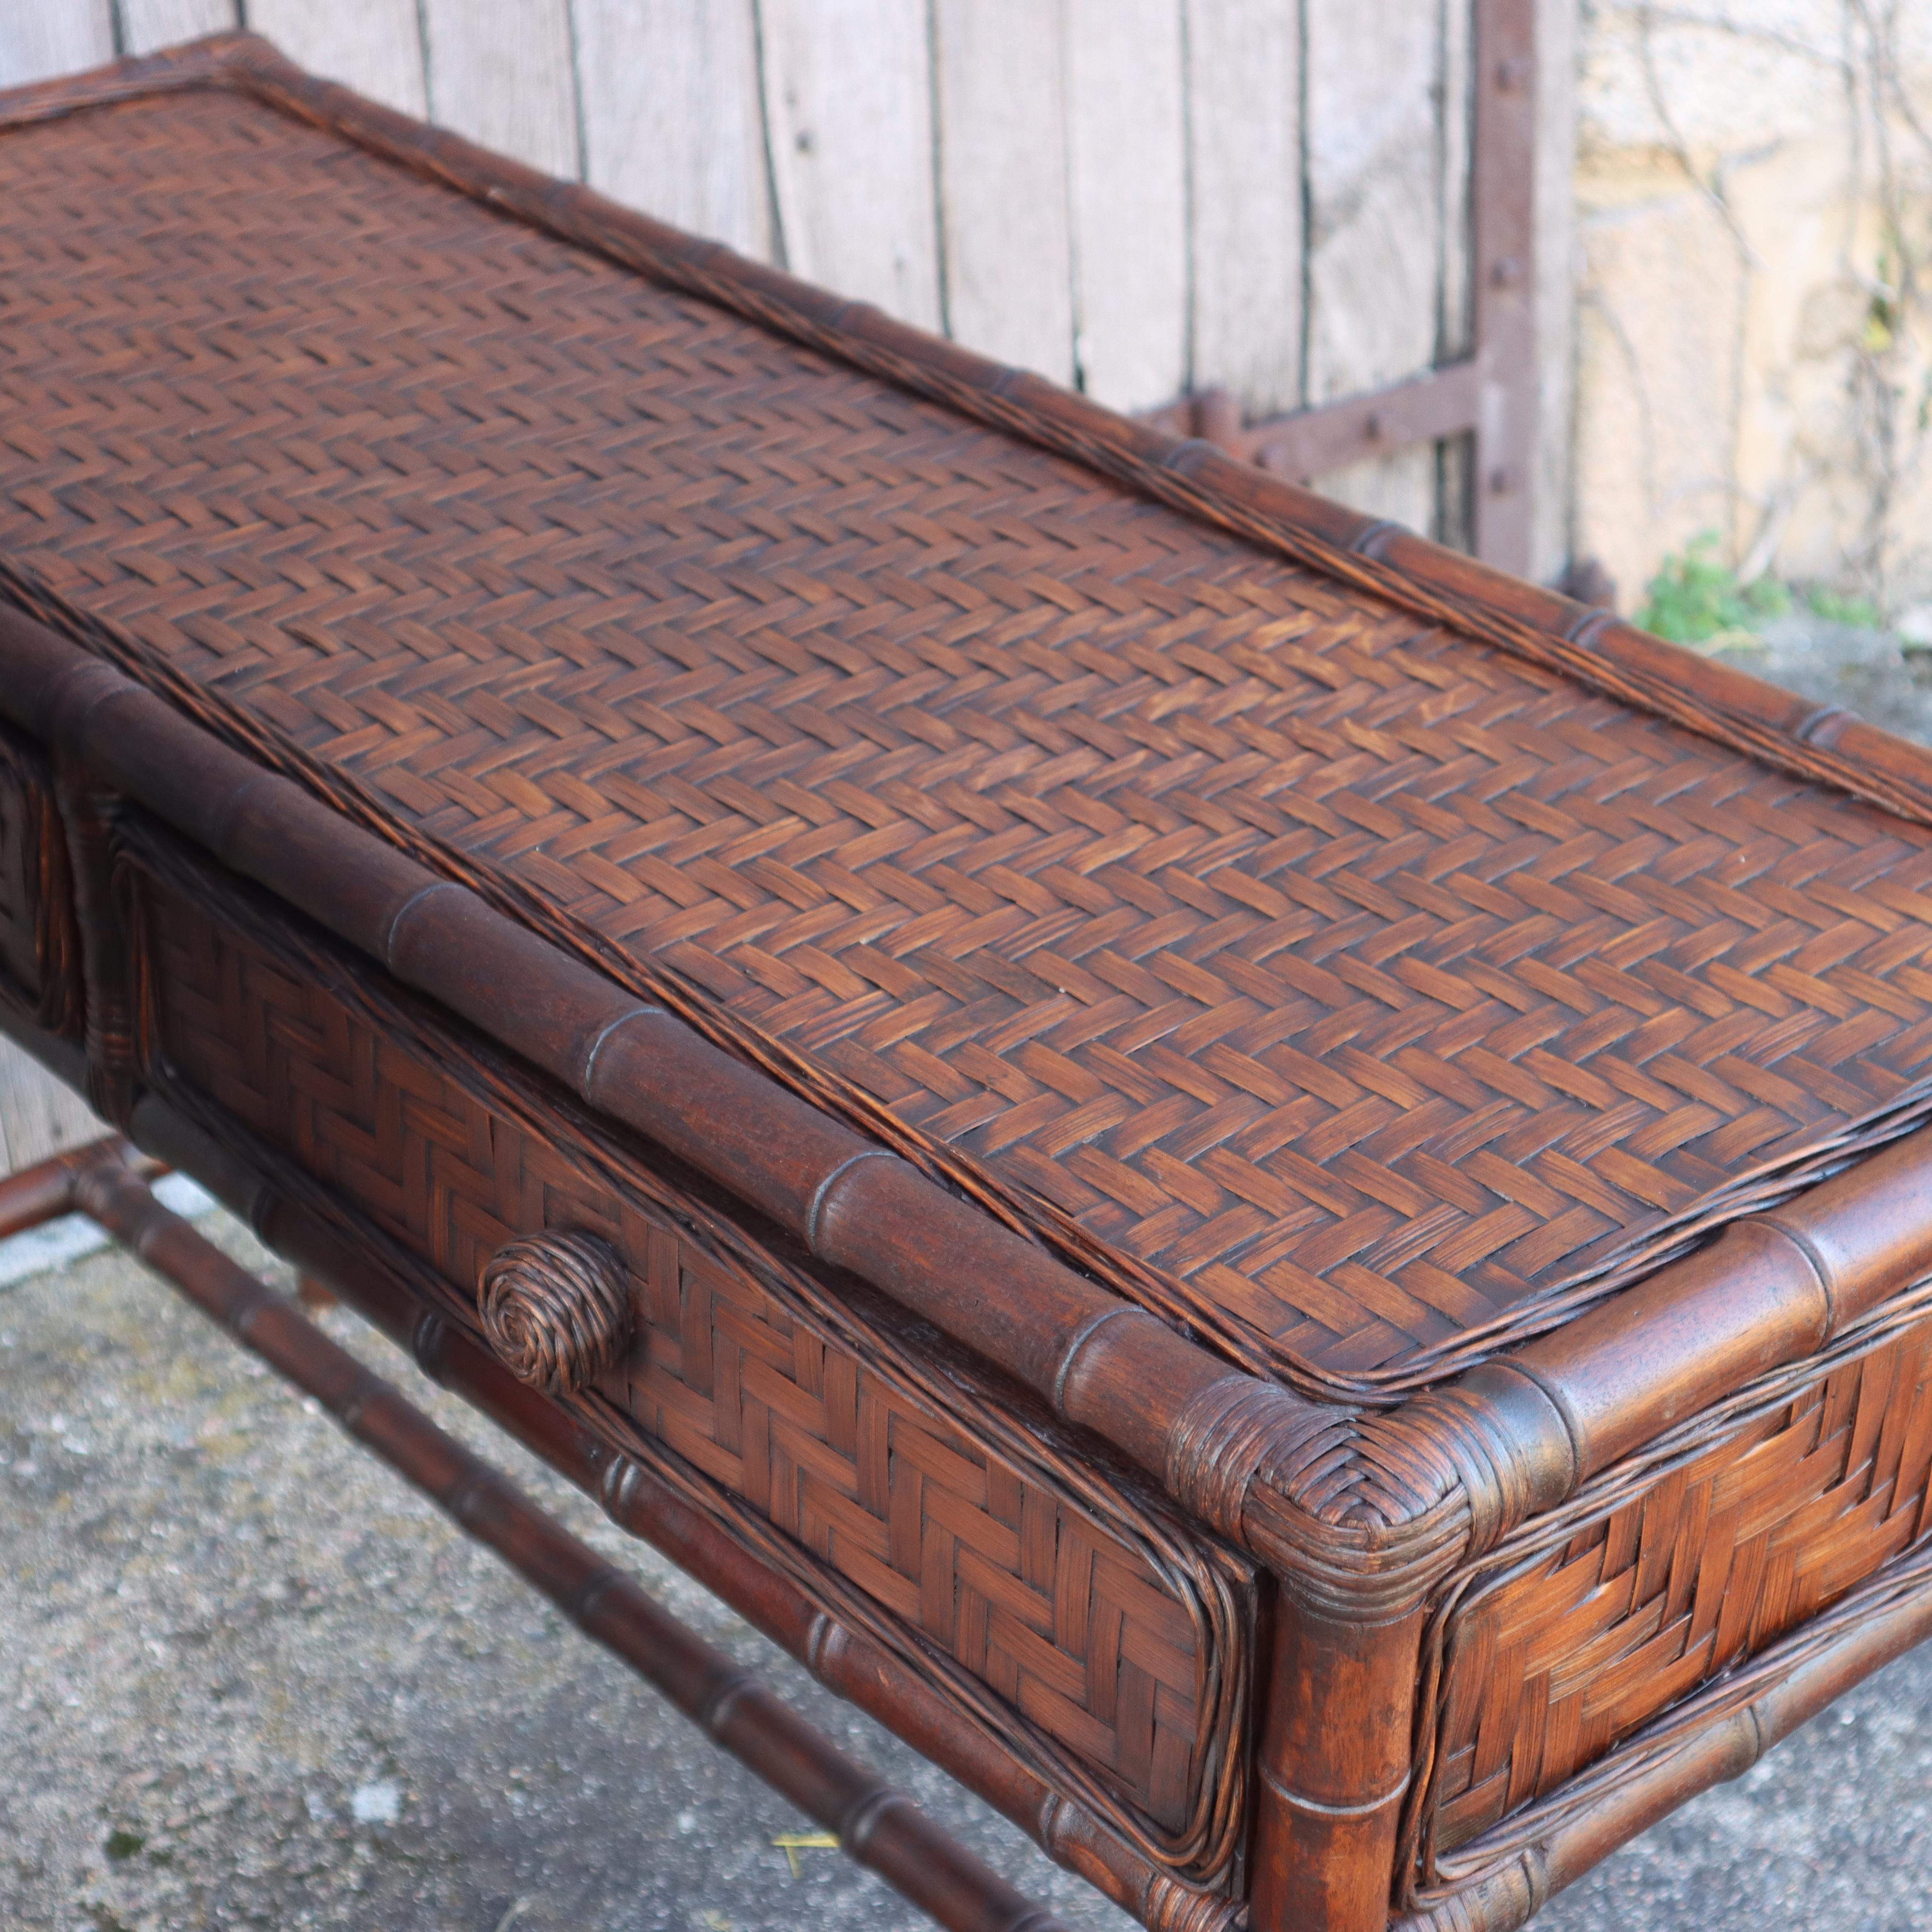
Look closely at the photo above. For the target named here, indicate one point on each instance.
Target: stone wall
(1754, 307)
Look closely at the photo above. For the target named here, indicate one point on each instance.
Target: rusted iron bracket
(877, 1826)
(1491, 394)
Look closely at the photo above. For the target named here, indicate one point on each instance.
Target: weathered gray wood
(1455, 506)
(1244, 151)
(1456, 324)
(503, 72)
(146, 24)
(671, 118)
(849, 113)
(38, 1116)
(1001, 86)
(41, 38)
(1128, 171)
(1556, 277)
(1374, 211)
(373, 45)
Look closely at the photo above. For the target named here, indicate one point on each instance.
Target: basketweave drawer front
(1083, 1627)
(39, 970)
(1619, 1609)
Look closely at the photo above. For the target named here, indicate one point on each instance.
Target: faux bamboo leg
(86, 810)
(313, 1294)
(1334, 1765)
(36, 1194)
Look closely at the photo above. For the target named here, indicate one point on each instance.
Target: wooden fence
(1141, 197)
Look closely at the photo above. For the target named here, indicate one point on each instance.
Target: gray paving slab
(247, 1677)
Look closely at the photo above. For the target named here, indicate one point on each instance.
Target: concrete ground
(247, 1678)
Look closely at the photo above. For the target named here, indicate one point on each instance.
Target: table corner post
(1361, 1520)
(1333, 1759)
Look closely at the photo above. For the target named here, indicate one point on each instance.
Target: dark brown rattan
(1107, 1636)
(1497, 1881)
(39, 964)
(877, 1826)
(1362, 995)
(1703, 1553)
(23, 817)
(556, 1308)
(1366, 963)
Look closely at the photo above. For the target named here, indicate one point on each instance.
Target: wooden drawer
(1674, 1570)
(1061, 1607)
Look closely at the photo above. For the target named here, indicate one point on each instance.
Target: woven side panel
(1068, 1623)
(1578, 1649)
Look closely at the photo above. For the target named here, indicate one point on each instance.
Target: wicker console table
(1267, 1188)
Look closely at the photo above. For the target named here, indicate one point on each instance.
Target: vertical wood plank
(1551, 486)
(146, 24)
(1455, 509)
(1374, 206)
(1505, 240)
(848, 109)
(38, 1116)
(40, 38)
(503, 72)
(671, 119)
(373, 45)
(1000, 85)
(1456, 126)
(1244, 150)
(1127, 167)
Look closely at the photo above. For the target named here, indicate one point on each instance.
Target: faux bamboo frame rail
(876, 1826)
(1362, 1509)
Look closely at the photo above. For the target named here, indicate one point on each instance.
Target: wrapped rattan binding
(556, 1308)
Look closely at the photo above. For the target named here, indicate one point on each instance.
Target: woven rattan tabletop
(1362, 991)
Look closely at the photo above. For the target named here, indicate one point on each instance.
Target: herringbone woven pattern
(1347, 988)
(1716, 1559)
(1061, 1616)
(1519, 1843)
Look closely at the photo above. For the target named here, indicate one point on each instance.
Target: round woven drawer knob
(556, 1308)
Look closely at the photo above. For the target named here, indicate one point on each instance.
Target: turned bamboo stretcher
(1265, 1187)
